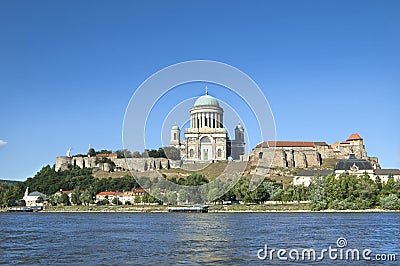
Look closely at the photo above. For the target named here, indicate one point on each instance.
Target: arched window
(205, 139)
(191, 153)
(260, 155)
(174, 135)
(219, 153)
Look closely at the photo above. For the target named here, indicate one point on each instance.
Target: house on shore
(351, 165)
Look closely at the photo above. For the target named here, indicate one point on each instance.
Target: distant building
(108, 195)
(32, 199)
(304, 176)
(69, 193)
(351, 165)
(384, 174)
(354, 166)
(308, 154)
(123, 197)
(206, 138)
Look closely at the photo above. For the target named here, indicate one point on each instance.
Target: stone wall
(282, 158)
(63, 162)
(121, 164)
(307, 157)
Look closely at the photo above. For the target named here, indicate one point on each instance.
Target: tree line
(330, 192)
(353, 192)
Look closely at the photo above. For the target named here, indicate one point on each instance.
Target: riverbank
(239, 208)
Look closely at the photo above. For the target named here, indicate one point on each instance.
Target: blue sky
(69, 68)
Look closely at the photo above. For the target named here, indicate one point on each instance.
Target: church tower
(175, 136)
(237, 145)
(239, 133)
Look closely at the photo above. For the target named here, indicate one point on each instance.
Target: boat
(20, 209)
(193, 208)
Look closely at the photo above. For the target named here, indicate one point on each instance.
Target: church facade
(206, 139)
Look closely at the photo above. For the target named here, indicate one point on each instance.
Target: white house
(31, 199)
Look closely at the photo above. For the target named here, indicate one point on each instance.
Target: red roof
(107, 155)
(354, 136)
(267, 144)
(107, 193)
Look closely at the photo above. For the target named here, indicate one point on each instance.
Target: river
(198, 238)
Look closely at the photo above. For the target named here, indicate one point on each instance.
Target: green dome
(175, 127)
(206, 100)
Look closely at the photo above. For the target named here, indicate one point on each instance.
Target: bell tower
(175, 136)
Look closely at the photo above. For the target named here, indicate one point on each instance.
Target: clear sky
(69, 68)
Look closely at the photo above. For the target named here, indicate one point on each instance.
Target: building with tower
(206, 139)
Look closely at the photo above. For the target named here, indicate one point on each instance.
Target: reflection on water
(186, 238)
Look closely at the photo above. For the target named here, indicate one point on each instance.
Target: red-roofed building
(353, 137)
(124, 197)
(306, 154)
(108, 195)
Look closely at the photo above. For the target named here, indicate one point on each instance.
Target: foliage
(342, 192)
(193, 180)
(104, 152)
(172, 153)
(10, 194)
(104, 160)
(76, 197)
(317, 195)
(91, 152)
(156, 153)
(353, 192)
(391, 202)
(116, 201)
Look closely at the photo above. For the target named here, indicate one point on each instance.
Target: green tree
(91, 152)
(391, 202)
(172, 153)
(64, 200)
(76, 197)
(116, 201)
(137, 199)
(318, 199)
(136, 154)
(87, 197)
(182, 196)
(171, 197)
(39, 200)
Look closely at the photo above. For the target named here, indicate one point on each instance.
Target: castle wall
(299, 157)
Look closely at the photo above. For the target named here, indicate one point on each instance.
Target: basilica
(206, 139)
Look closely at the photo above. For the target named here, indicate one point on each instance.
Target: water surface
(188, 238)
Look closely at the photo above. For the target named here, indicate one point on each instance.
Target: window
(175, 136)
(219, 153)
(191, 153)
(205, 139)
(260, 155)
